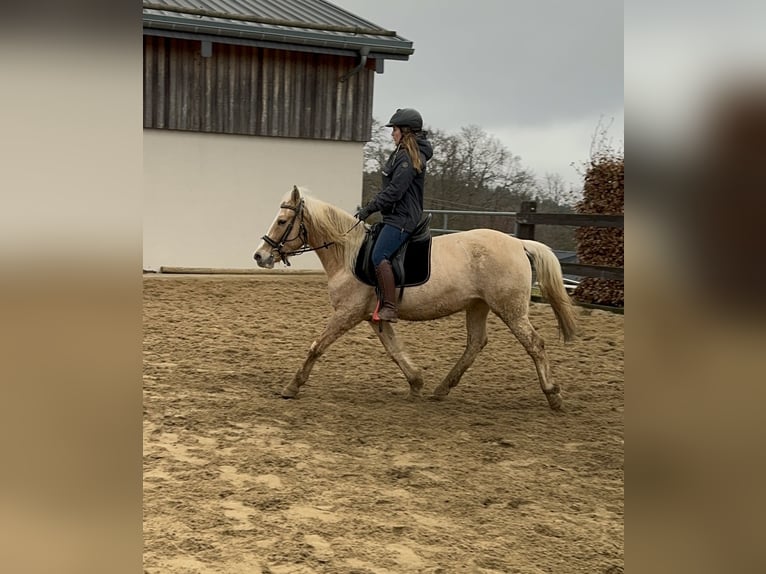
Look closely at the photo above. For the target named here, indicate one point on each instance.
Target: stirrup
(391, 309)
(376, 315)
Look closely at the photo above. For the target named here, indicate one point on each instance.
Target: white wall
(208, 198)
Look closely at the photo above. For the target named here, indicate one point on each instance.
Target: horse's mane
(333, 225)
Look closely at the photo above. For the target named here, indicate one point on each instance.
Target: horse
(475, 271)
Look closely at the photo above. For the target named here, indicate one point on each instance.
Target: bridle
(302, 235)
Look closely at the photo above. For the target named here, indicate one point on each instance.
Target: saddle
(411, 262)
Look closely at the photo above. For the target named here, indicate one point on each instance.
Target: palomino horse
(475, 271)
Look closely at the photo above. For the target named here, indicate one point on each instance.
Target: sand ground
(354, 476)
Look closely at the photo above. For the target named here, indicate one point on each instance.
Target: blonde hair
(410, 144)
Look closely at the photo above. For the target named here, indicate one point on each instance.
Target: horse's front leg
(340, 322)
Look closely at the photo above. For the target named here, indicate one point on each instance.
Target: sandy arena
(353, 476)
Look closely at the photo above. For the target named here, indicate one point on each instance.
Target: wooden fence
(526, 220)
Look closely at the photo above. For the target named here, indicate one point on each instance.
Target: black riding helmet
(406, 118)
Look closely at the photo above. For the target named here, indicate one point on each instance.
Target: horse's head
(286, 234)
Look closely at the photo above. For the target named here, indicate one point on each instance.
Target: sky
(539, 75)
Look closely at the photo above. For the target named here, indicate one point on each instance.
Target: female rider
(400, 200)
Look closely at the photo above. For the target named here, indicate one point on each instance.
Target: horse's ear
(296, 196)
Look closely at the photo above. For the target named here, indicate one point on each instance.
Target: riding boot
(385, 275)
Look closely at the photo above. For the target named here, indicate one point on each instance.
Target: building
(240, 105)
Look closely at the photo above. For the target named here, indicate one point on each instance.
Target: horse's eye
(281, 222)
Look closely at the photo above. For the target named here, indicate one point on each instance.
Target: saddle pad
(411, 263)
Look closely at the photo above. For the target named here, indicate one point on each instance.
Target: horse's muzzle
(264, 259)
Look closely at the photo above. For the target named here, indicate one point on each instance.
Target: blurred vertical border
(70, 287)
(695, 88)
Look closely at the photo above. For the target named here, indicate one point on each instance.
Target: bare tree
(553, 188)
(484, 160)
(469, 167)
(470, 171)
(377, 150)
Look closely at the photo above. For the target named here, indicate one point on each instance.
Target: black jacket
(400, 201)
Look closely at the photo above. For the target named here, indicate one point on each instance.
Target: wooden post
(525, 230)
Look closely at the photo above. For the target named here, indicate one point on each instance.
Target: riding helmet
(406, 118)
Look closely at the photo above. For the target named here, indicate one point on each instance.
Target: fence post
(526, 230)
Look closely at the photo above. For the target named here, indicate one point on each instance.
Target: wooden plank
(337, 109)
(161, 83)
(573, 219)
(537, 298)
(149, 56)
(285, 104)
(174, 83)
(599, 271)
(243, 91)
(185, 86)
(232, 105)
(366, 134)
(267, 82)
(231, 271)
(358, 122)
(309, 97)
(296, 96)
(197, 87)
(254, 93)
(321, 129)
(277, 92)
(209, 90)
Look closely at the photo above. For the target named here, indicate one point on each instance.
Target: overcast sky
(536, 74)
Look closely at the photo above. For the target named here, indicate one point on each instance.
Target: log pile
(603, 193)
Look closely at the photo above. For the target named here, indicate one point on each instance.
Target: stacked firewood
(603, 193)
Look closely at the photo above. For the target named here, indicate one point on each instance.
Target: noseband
(302, 234)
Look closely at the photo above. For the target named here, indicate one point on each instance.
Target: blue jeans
(389, 240)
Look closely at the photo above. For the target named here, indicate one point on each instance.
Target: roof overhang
(162, 23)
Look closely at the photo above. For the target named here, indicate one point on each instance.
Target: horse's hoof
(438, 396)
(288, 393)
(416, 389)
(555, 402)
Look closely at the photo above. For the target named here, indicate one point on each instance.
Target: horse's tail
(551, 282)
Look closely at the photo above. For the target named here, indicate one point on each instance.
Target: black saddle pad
(411, 262)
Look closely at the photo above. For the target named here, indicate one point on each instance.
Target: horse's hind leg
(339, 323)
(393, 346)
(476, 326)
(535, 347)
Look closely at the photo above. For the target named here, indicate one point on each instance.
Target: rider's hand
(363, 213)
